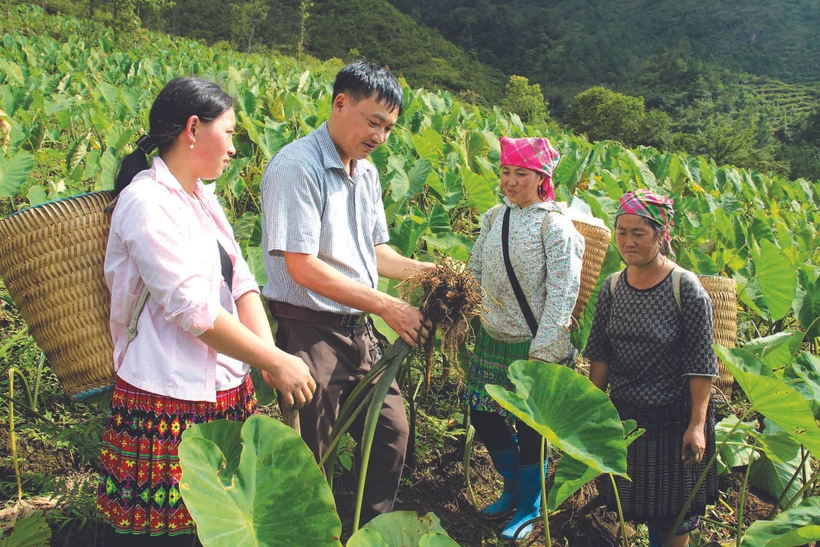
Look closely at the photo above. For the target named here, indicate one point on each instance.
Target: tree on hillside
(525, 100)
(245, 18)
(602, 114)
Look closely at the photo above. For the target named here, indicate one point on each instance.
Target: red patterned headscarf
(534, 153)
(649, 205)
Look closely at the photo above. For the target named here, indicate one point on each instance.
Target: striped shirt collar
(330, 155)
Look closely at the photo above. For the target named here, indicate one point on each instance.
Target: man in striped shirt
(325, 237)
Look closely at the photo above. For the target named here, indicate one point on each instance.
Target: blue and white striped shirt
(311, 205)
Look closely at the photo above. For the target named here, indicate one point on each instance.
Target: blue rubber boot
(528, 501)
(506, 463)
(654, 537)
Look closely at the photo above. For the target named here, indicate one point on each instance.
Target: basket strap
(677, 273)
(494, 213)
(132, 326)
(612, 281)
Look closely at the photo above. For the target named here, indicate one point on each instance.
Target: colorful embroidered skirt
(488, 365)
(138, 490)
(660, 482)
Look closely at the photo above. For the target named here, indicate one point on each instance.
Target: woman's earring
(192, 146)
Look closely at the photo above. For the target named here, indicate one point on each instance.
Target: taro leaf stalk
(365, 394)
(569, 412)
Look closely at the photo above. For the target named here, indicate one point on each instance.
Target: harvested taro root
(449, 296)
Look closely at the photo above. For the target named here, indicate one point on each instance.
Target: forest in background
(737, 83)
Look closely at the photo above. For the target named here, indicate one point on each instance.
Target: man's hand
(291, 378)
(406, 321)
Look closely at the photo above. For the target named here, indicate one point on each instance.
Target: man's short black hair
(362, 80)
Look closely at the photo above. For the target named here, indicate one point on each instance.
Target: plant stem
(742, 501)
(13, 439)
(468, 451)
(789, 485)
(30, 410)
(802, 467)
(544, 491)
(624, 538)
(718, 524)
(38, 378)
(372, 419)
(802, 490)
(694, 492)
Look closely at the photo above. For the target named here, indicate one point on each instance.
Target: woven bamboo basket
(596, 243)
(723, 293)
(51, 259)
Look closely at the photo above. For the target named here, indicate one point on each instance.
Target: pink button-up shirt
(162, 237)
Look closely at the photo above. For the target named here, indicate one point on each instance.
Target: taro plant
(572, 415)
(257, 484)
(402, 529)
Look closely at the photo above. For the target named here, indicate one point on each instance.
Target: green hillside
(372, 28)
(583, 41)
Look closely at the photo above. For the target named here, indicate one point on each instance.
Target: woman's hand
(292, 380)
(694, 445)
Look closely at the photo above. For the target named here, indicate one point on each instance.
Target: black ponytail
(180, 99)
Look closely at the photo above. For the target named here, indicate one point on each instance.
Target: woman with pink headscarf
(651, 345)
(528, 259)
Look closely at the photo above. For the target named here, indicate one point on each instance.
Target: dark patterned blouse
(650, 345)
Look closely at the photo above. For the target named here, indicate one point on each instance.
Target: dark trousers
(338, 357)
(494, 432)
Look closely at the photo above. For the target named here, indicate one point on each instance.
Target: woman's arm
(695, 437)
(288, 373)
(252, 315)
(599, 374)
(564, 251)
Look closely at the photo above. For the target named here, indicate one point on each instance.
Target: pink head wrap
(534, 153)
(649, 205)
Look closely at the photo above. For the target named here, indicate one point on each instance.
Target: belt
(289, 311)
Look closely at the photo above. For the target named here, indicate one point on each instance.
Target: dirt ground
(437, 484)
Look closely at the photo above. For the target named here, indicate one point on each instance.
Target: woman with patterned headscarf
(529, 237)
(651, 344)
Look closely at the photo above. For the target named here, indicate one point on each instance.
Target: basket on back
(51, 259)
(722, 291)
(596, 243)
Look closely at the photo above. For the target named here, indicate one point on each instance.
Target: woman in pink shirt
(183, 357)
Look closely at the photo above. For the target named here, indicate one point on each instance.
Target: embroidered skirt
(138, 490)
(660, 482)
(488, 365)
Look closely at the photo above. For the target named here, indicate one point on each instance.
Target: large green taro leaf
(13, 172)
(777, 278)
(255, 484)
(804, 376)
(736, 452)
(776, 350)
(567, 409)
(773, 398)
(571, 475)
(800, 525)
(402, 529)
